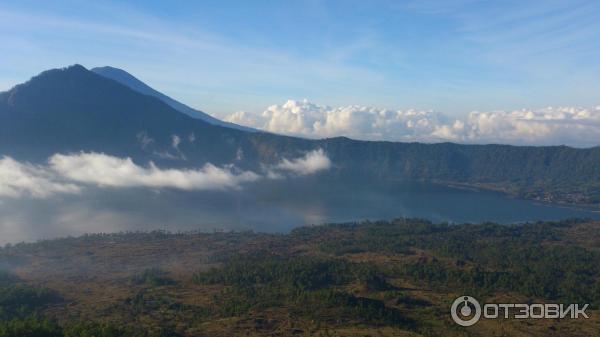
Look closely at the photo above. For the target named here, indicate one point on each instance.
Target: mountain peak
(134, 83)
(75, 67)
(48, 82)
(122, 77)
(107, 68)
(71, 109)
(77, 81)
(65, 71)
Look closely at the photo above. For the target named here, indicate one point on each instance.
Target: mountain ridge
(134, 83)
(74, 109)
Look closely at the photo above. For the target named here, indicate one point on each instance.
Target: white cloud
(108, 171)
(71, 173)
(175, 141)
(304, 118)
(144, 139)
(549, 126)
(311, 163)
(94, 210)
(18, 179)
(575, 126)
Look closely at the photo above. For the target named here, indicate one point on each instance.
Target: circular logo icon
(465, 311)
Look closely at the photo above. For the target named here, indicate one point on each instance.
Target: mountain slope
(73, 109)
(132, 82)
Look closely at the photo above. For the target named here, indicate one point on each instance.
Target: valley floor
(395, 278)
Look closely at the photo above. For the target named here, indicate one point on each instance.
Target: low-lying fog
(268, 205)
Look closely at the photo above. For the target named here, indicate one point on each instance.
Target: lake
(268, 206)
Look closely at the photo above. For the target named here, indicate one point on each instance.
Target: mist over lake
(268, 206)
(299, 168)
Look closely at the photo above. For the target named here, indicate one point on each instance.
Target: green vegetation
(486, 258)
(387, 278)
(153, 277)
(300, 273)
(19, 300)
(310, 287)
(30, 327)
(35, 327)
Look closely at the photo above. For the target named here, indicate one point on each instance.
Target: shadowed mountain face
(73, 109)
(132, 82)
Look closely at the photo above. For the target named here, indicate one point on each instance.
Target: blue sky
(223, 56)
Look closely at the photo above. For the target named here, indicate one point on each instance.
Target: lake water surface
(269, 206)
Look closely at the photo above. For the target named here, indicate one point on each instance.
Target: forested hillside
(393, 278)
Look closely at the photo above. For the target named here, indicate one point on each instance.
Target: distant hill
(132, 82)
(74, 109)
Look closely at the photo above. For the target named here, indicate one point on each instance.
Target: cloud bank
(574, 126)
(22, 179)
(92, 192)
(69, 174)
(108, 171)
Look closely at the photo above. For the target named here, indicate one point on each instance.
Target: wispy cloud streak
(109, 171)
(71, 173)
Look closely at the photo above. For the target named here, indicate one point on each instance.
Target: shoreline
(476, 187)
